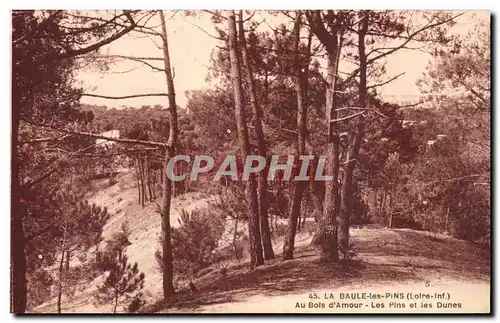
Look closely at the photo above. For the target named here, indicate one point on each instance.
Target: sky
(190, 48)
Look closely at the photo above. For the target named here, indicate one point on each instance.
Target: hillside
(144, 225)
(385, 260)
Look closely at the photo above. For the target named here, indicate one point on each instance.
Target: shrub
(194, 242)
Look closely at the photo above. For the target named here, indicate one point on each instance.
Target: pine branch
(455, 179)
(46, 139)
(402, 45)
(348, 117)
(125, 96)
(99, 44)
(386, 82)
(142, 60)
(215, 14)
(410, 105)
(32, 32)
(96, 136)
(105, 154)
(40, 232)
(203, 30)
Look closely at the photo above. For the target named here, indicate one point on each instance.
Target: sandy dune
(385, 261)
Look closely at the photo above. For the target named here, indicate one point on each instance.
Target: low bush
(194, 242)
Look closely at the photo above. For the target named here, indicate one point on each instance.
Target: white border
(186, 4)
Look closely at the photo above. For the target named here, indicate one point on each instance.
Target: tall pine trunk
(256, 257)
(61, 264)
(168, 286)
(328, 225)
(299, 186)
(17, 242)
(18, 260)
(326, 235)
(353, 152)
(261, 143)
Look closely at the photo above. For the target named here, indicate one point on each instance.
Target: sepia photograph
(250, 161)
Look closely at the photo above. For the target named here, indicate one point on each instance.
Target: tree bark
(393, 200)
(293, 221)
(138, 181)
(328, 225)
(353, 152)
(317, 194)
(18, 265)
(18, 260)
(383, 202)
(300, 220)
(17, 242)
(68, 258)
(256, 257)
(391, 217)
(299, 187)
(61, 264)
(152, 182)
(148, 179)
(59, 285)
(235, 236)
(168, 286)
(261, 143)
(316, 198)
(141, 178)
(326, 235)
(116, 304)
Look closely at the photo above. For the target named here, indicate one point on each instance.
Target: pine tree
(124, 283)
(80, 228)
